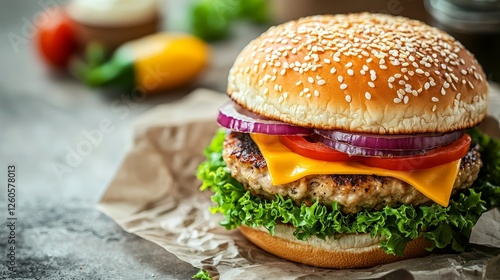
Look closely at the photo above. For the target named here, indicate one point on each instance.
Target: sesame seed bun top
(368, 73)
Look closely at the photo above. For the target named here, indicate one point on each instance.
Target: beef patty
(353, 193)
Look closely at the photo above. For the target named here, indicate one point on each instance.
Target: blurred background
(75, 74)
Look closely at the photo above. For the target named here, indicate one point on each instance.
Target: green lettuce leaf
(445, 227)
(202, 274)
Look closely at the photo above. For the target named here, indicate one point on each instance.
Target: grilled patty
(353, 193)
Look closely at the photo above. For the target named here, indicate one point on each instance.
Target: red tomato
(301, 146)
(435, 157)
(56, 39)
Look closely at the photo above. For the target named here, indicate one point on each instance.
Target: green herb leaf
(202, 274)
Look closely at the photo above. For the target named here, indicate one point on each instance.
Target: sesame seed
(373, 77)
(333, 70)
(446, 85)
(283, 72)
(256, 61)
(427, 85)
(316, 92)
(306, 90)
(390, 85)
(348, 98)
(400, 93)
(343, 86)
(350, 72)
(397, 100)
(336, 59)
(321, 82)
(298, 83)
(308, 95)
(391, 79)
(368, 96)
(434, 99)
(434, 107)
(265, 91)
(310, 79)
(326, 60)
(443, 91)
(285, 95)
(371, 84)
(406, 99)
(340, 79)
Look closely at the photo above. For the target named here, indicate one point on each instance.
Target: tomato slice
(301, 146)
(432, 158)
(435, 157)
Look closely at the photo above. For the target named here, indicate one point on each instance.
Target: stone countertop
(43, 117)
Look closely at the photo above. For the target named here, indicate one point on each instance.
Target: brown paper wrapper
(155, 196)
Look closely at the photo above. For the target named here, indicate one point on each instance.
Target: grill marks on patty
(353, 193)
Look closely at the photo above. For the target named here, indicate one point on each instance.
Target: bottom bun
(348, 251)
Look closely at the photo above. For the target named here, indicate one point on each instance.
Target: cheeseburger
(350, 142)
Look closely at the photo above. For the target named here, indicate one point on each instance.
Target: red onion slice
(353, 150)
(393, 142)
(238, 119)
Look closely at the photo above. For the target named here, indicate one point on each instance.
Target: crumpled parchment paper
(155, 196)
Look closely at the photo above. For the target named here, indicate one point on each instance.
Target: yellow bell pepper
(153, 63)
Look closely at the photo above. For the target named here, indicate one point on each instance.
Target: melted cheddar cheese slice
(285, 166)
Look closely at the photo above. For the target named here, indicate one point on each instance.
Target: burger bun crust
(365, 73)
(349, 251)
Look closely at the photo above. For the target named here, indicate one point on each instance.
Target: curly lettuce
(445, 227)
